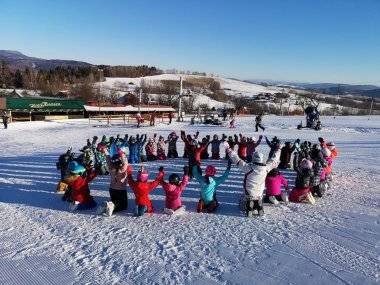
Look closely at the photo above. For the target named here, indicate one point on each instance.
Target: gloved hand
(186, 170)
(161, 168)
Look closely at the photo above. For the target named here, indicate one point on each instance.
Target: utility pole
(140, 95)
(370, 109)
(180, 101)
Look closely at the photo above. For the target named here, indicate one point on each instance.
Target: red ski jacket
(79, 187)
(142, 189)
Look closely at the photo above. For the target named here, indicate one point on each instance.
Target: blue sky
(298, 40)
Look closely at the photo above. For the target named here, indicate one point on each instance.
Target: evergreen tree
(18, 80)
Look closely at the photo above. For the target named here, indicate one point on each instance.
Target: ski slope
(335, 241)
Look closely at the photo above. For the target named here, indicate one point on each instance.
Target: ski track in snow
(335, 241)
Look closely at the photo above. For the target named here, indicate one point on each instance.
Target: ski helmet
(306, 164)
(174, 179)
(76, 168)
(143, 176)
(210, 170)
(258, 157)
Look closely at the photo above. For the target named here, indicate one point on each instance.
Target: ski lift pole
(370, 109)
(180, 101)
(140, 93)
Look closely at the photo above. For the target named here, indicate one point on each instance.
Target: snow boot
(73, 206)
(285, 198)
(200, 206)
(249, 208)
(212, 207)
(258, 204)
(273, 200)
(102, 208)
(141, 210)
(110, 207)
(168, 211)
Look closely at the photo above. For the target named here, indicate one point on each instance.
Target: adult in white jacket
(254, 179)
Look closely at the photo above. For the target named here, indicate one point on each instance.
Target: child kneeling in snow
(78, 181)
(141, 188)
(302, 192)
(254, 179)
(209, 183)
(273, 184)
(173, 191)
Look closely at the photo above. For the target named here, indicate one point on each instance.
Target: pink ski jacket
(173, 193)
(273, 185)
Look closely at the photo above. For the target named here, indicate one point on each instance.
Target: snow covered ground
(335, 241)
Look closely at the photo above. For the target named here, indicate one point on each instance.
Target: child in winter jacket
(205, 142)
(133, 146)
(141, 140)
(151, 149)
(274, 145)
(302, 192)
(251, 147)
(194, 153)
(286, 154)
(215, 146)
(242, 146)
(78, 181)
(273, 183)
(172, 148)
(117, 166)
(254, 180)
(188, 139)
(141, 188)
(173, 191)
(334, 151)
(161, 145)
(319, 163)
(326, 175)
(209, 183)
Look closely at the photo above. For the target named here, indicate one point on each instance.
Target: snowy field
(335, 241)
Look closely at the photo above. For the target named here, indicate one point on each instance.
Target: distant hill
(17, 60)
(327, 88)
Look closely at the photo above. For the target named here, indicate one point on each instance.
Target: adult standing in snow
(5, 120)
(224, 114)
(259, 119)
(152, 119)
(254, 179)
(170, 117)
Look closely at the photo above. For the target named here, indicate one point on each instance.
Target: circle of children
(115, 156)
